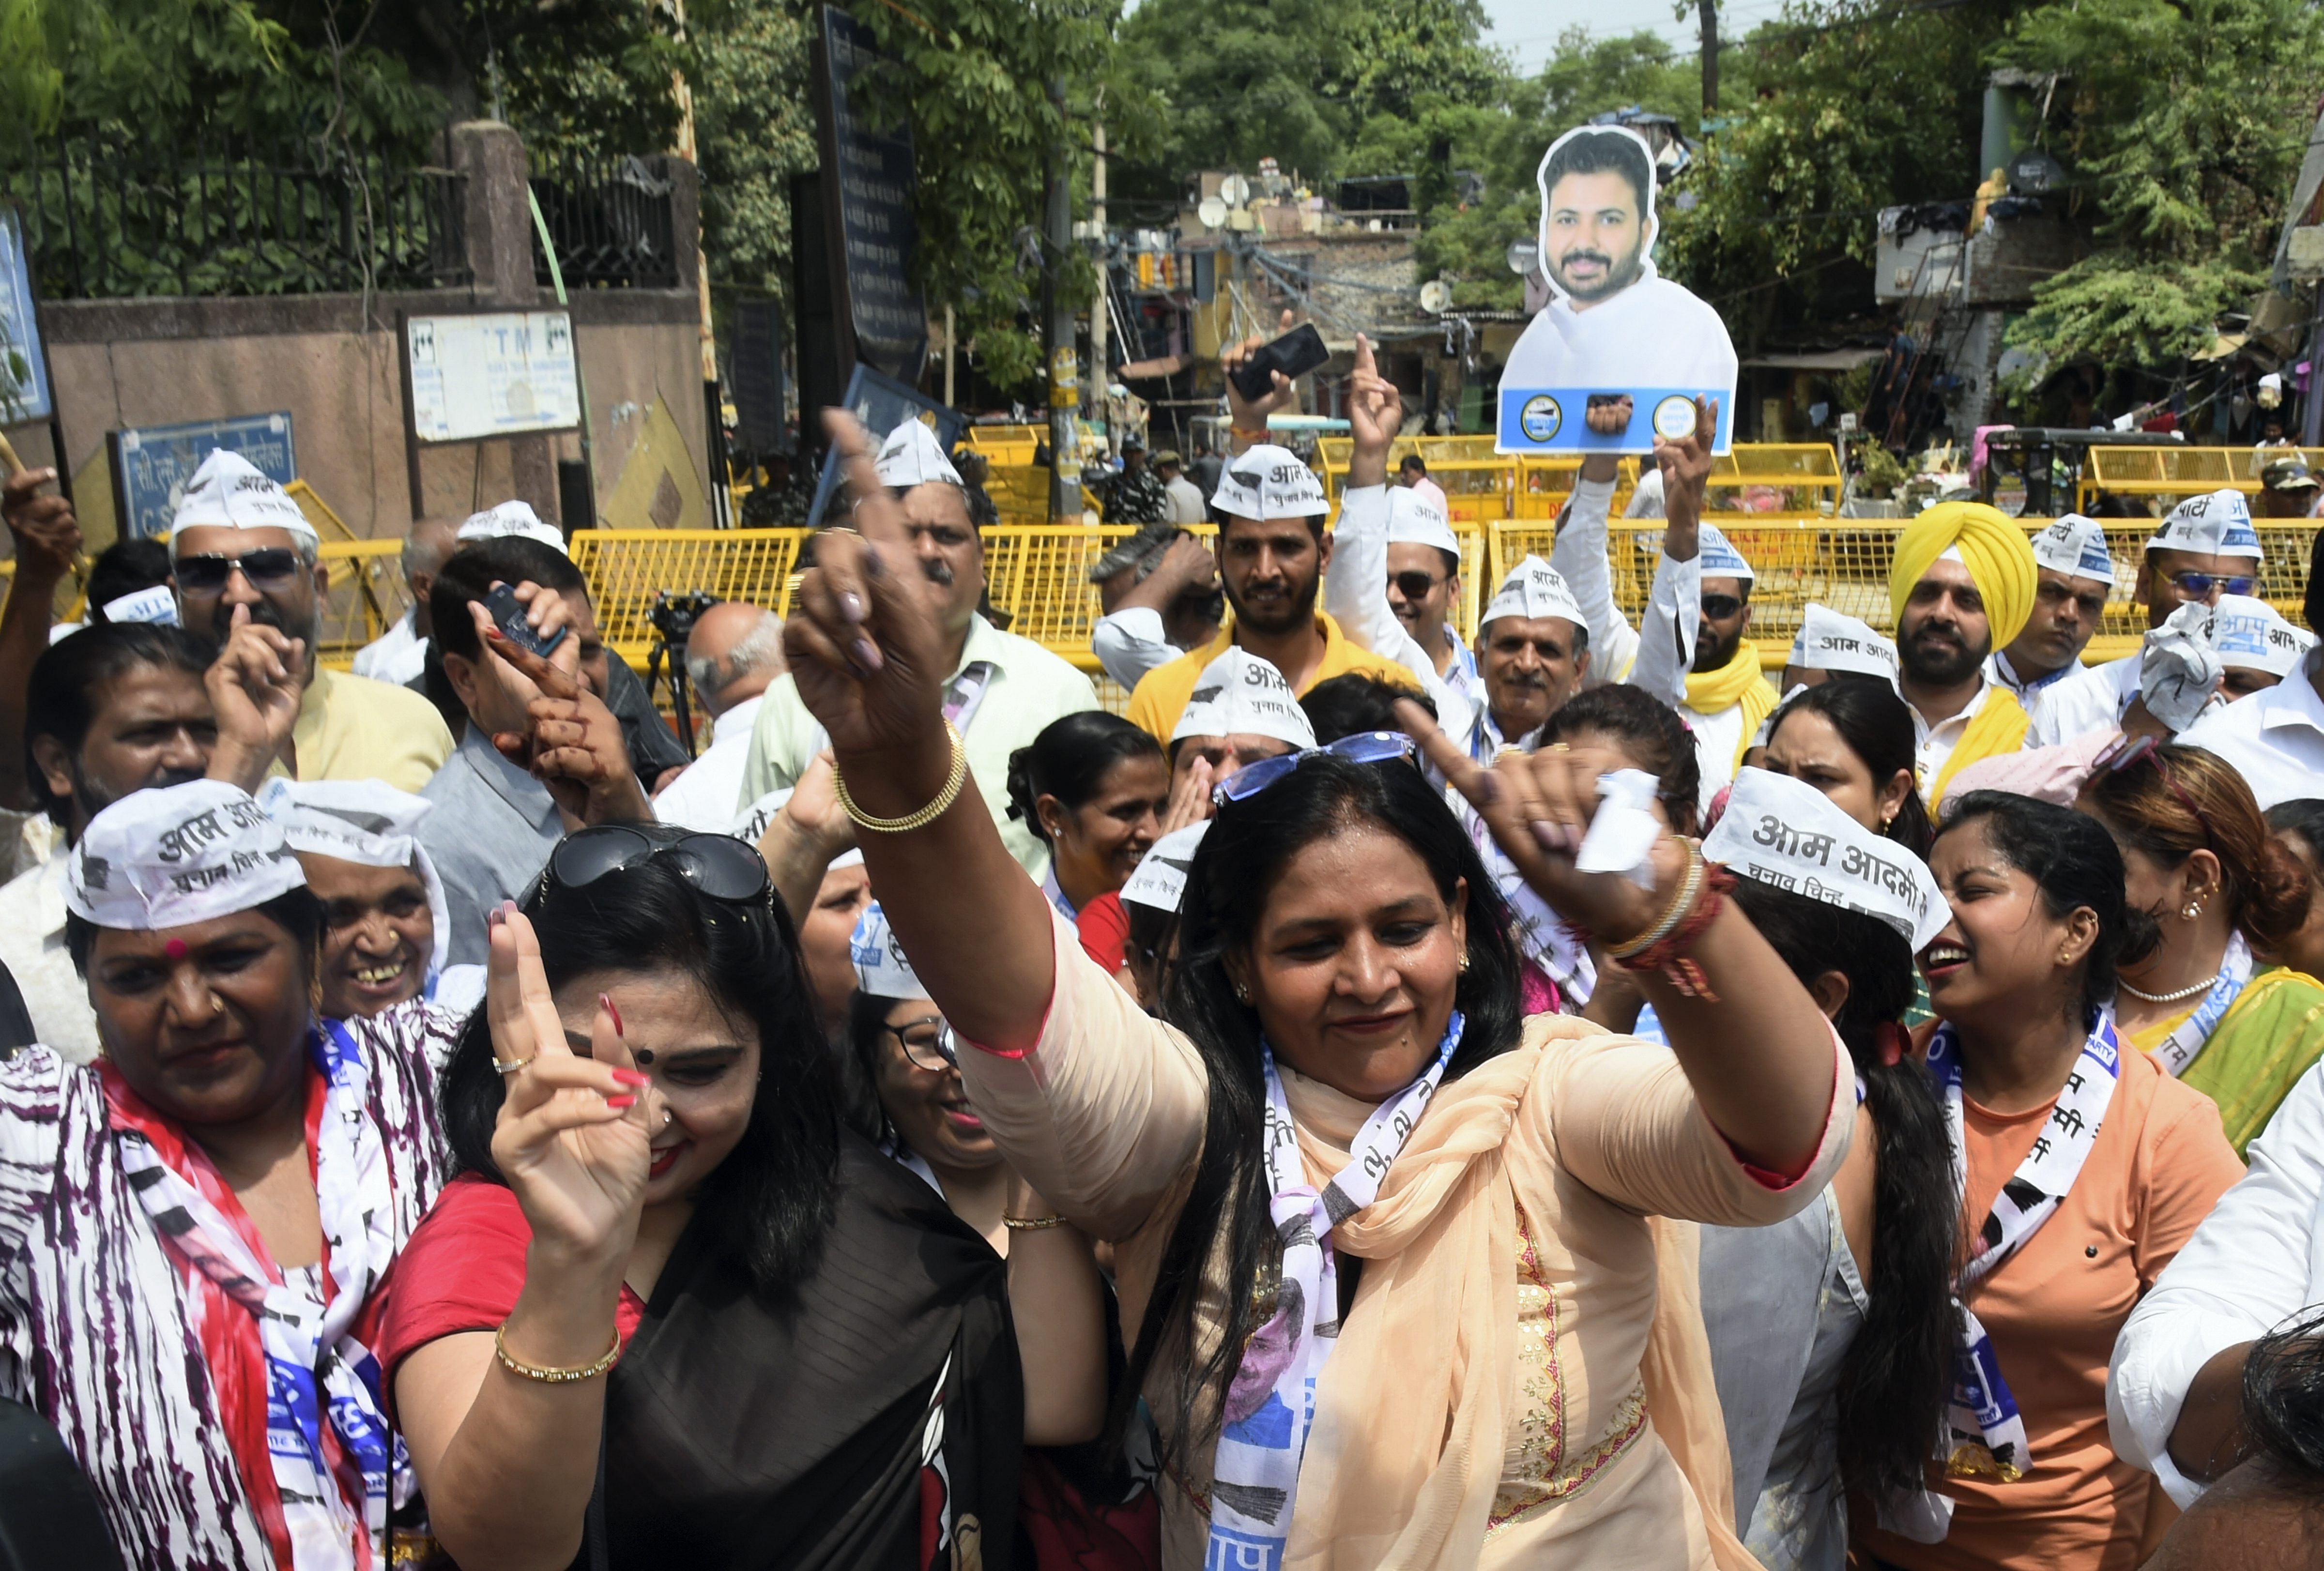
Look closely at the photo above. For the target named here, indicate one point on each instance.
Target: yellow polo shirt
(1162, 693)
(352, 727)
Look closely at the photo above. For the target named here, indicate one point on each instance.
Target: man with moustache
(239, 545)
(1533, 646)
(1003, 688)
(1962, 584)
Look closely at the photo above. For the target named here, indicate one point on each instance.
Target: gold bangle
(1031, 1223)
(1690, 887)
(925, 816)
(555, 1376)
(1256, 433)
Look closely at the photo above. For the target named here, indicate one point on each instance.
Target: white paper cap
(1787, 834)
(2216, 524)
(2253, 635)
(2075, 546)
(750, 824)
(228, 492)
(517, 519)
(912, 456)
(1829, 641)
(1534, 589)
(1160, 881)
(154, 603)
(176, 855)
(1240, 694)
(1721, 560)
(880, 968)
(2178, 671)
(365, 821)
(1415, 518)
(1270, 482)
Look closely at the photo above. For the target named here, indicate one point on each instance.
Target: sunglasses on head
(1415, 584)
(270, 566)
(2129, 753)
(1719, 607)
(1362, 747)
(719, 866)
(2201, 585)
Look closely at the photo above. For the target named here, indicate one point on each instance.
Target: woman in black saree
(795, 1355)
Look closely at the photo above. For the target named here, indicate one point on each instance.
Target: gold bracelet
(925, 816)
(1688, 888)
(1031, 1223)
(555, 1376)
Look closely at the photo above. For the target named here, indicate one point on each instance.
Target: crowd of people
(1389, 1098)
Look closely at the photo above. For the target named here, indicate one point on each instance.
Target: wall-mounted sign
(24, 369)
(497, 374)
(869, 177)
(151, 463)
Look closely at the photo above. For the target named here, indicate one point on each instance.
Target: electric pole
(1710, 12)
(1098, 380)
(1057, 325)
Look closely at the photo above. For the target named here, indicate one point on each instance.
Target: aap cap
(154, 603)
(176, 855)
(880, 968)
(912, 456)
(750, 825)
(1829, 641)
(364, 822)
(1415, 518)
(2178, 671)
(2253, 635)
(1787, 834)
(2075, 546)
(2216, 524)
(228, 492)
(1160, 881)
(1721, 560)
(517, 519)
(1241, 694)
(1269, 482)
(1534, 589)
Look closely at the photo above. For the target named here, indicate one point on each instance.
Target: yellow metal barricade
(626, 566)
(1478, 483)
(363, 594)
(2160, 475)
(1006, 444)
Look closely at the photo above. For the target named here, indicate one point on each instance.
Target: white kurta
(1653, 334)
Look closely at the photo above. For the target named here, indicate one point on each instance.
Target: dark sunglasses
(1719, 607)
(2130, 751)
(928, 1042)
(719, 866)
(2201, 585)
(268, 568)
(1415, 584)
(1363, 747)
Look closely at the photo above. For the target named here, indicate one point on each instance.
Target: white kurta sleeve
(1667, 633)
(1130, 642)
(2254, 1261)
(1579, 556)
(1355, 595)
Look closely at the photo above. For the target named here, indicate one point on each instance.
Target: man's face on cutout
(1597, 237)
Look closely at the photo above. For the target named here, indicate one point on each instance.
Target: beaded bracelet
(1031, 1223)
(1690, 886)
(1669, 955)
(945, 798)
(551, 1376)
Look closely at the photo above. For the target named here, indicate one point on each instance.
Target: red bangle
(1670, 954)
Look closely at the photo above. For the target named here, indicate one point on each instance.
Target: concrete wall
(337, 369)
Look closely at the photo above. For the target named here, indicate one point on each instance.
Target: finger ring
(1559, 747)
(501, 1069)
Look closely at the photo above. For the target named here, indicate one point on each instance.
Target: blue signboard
(152, 463)
(879, 404)
(24, 369)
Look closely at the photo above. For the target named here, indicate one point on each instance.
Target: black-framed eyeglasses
(267, 567)
(928, 1042)
(2201, 585)
(1362, 747)
(1719, 607)
(717, 865)
(1417, 585)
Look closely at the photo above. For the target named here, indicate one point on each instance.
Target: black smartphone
(1295, 354)
(507, 613)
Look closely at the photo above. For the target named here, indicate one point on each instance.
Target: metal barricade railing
(626, 567)
(2162, 475)
(363, 594)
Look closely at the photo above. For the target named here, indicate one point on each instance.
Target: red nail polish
(629, 1076)
(619, 1102)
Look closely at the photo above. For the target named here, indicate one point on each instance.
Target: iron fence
(106, 219)
(611, 221)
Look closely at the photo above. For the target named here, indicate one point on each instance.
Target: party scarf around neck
(1738, 681)
(1271, 1402)
(1998, 727)
(299, 1389)
(2178, 1051)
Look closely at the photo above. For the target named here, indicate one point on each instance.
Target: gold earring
(2193, 909)
(2065, 957)
(1242, 993)
(1464, 963)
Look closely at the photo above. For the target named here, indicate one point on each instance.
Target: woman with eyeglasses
(2224, 890)
(1385, 1242)
(2081, 1169)
(671, 1312)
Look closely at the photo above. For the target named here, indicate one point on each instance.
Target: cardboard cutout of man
(1619, 352)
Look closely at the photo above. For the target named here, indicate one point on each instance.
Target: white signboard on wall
(496, 375)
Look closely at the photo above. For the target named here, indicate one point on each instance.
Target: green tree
(755, 129)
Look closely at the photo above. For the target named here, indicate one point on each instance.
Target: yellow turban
(2000, 562)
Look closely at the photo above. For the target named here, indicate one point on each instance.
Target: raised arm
(1355, 584)
(1578, 555)
(1673, 616)
(47, 545)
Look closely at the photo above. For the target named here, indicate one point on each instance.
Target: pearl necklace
(2204, 985)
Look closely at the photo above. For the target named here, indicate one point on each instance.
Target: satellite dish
(1523, 256)
(1211, 211)
(1234, 190)
(1434, 296)
(2033, 174)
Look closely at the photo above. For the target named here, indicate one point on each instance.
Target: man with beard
(2205, 548)
(239, 544)
(1002, 690)
(1613, 323)
(122, 707)
(2077, 572)
(1961, 585)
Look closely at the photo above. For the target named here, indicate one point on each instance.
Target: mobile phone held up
(1295, 354)
(507, 613)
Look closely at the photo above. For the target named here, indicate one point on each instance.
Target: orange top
(2052, 1310)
